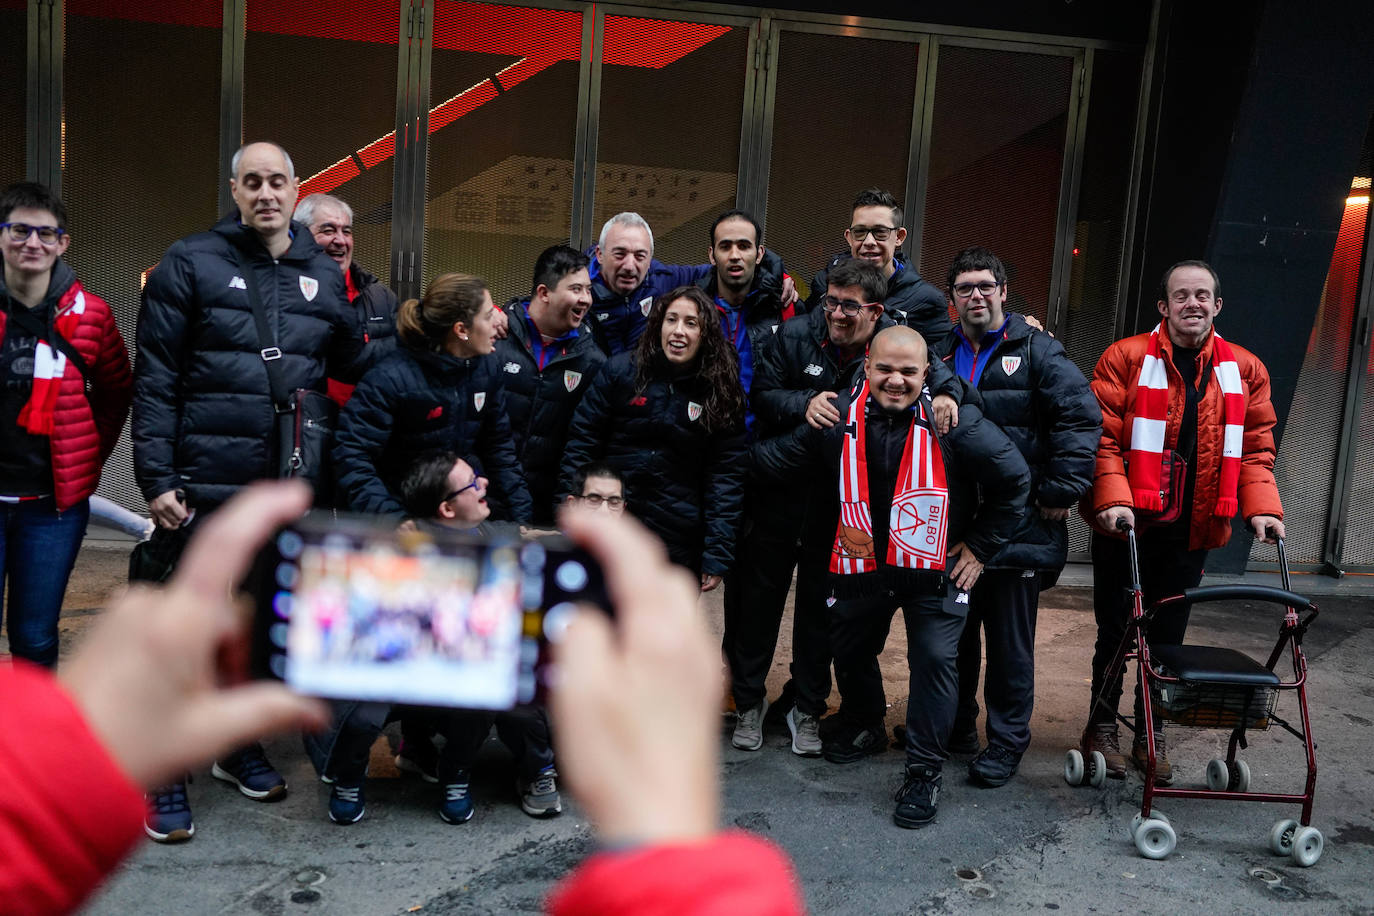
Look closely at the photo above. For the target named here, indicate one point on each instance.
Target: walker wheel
(1281, 837)
(1217, 775)
(1097, 770)
(1137, 820)
(1308, 844)
(1240, 777)
(1073, 767)
(1155, 839)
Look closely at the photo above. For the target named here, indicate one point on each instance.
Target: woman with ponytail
(669, 416)
(441, 389)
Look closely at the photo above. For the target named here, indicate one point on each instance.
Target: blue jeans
(38, 546)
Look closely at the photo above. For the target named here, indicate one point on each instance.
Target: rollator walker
(1213, 687)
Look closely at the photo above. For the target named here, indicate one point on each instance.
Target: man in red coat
(1179, 391)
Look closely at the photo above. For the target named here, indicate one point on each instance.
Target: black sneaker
(169, 814)
(420, 758)
(994, 767)
(248, 769)
(917, 798)
(851, 743)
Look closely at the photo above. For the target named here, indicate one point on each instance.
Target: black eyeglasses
(20, 232)
(964, 290)
(879, 233)
(596, 499)
(459, 492)
(846, 307)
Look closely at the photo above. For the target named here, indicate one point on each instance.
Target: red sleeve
(68, 814)
(730, 874)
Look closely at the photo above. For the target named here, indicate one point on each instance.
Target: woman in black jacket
(441, 389)
(669, 416)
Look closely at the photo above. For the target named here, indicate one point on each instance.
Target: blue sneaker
(346, 804)
(457, 806)
(169, 814)
(248, 769)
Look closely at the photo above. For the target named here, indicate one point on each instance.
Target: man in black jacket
(549, 360)
(875, 233)
(907, 530)
(1040, 399)
(203, 414)
(330, 221)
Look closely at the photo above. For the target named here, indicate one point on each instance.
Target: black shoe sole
(989, 782)
(848, 756)
(911, 823)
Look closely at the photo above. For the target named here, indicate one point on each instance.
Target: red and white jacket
(85, 429)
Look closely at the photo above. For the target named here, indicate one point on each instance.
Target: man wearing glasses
(1034, 392)
(875, 233)
(800, 374)
(599, 487)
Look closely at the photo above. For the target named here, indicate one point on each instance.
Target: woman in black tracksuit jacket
(441, 389)
(669, 416)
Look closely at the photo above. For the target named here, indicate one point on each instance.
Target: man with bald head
(906, 529)
(204, 415)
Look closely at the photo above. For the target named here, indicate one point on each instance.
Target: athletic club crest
(309, 287)
(917, 523)
(1010, 364)
(693, 410)
(571, 380)
(479, 399)
(645, 304)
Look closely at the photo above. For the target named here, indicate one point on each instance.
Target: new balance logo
(237, 283)
(812, 369)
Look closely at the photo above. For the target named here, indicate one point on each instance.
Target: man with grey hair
(204, 415)
(330, 221)
(626, 278)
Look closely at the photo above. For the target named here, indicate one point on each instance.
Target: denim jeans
(38, 546)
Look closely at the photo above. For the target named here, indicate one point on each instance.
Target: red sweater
(68, 814)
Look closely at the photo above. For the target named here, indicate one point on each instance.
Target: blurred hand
(1053, 514)
(709, 582)
(967, 568)
(500, 324)
(1107, 518)
(1267, 528)
(820, 412)
(168, 510)
(946, 411)
(151, 675)
(636, 707)
(789, 290)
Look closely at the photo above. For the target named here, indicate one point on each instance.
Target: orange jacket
(1114, 382)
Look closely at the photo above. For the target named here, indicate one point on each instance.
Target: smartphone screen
(351, 610)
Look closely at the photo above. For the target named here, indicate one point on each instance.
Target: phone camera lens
(571, 576)
(289, 544)
(287, 575)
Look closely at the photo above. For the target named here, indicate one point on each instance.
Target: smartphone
(348, 608)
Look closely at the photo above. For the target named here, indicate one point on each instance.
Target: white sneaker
(806, 733)
(749, 728)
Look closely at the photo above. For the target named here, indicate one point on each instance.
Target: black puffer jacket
(910, 300)
(979, 461)
(686, 485)
(541, 402)
(376, 311)
(415, 401)
(203, 415)
(799, 364)
(1040, 399)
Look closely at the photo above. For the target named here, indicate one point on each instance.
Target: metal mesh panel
(1307, 459)
(503, 128)
(672, 99)
(1089, 319)
(139, 159)
(996, 153)
(1358, 549)
(826, 138)
(13, 86)
(321, 81)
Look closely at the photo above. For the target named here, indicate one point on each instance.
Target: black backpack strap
(270, 353)
(26, 320)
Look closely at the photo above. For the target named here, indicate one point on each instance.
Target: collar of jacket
(361, 278)
(444, 363)
(247, 240)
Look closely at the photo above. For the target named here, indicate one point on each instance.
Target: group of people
(889, 455)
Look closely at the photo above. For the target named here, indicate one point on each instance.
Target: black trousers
(1003, 604)
(858, 632)
(755, 601)
(1167, 568)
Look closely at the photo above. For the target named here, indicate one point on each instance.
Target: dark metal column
(44, 149)
(232, 40)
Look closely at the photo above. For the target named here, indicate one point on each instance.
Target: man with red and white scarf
(907, 529)
(1179, 388)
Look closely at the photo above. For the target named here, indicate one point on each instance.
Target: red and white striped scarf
(1151, 413)
(919, 519)
(49, 365)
